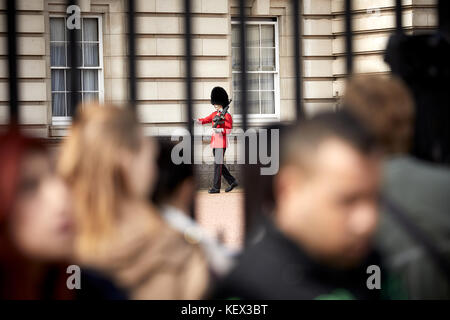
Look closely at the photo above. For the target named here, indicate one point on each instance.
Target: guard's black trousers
(220, 168)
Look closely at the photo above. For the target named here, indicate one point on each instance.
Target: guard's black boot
(231, 187)
(213, 190)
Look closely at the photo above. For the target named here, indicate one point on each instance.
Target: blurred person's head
(107, 161)
(35, 213)
(386, 107)
(327, 188)
(176, 184)
(35, 207)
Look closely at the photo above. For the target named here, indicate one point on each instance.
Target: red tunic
(219, 139)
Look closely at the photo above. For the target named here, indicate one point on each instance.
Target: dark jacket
(95, 286)
(276, 268)
(421, 190)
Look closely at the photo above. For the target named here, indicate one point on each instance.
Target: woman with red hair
(36, 228)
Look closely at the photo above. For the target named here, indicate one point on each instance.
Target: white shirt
(220, 258)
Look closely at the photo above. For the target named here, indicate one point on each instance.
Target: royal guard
(222, 123)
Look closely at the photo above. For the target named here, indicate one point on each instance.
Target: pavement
(221, 214)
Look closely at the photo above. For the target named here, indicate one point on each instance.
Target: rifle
(220, 117)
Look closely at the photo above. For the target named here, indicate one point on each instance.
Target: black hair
(170, 175)
(340, 124)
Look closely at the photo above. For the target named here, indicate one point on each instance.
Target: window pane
(57, 27)
(252, 36)
(236, 59)
(79, 55)
(91, 96)
(235, 38)
(236, 81)
(58, 105)
(253, 102)
(91, 55)
(268, 59)
(253, 82)
(236, 102)
(69, 80)
(57, 54)
(253, 59)
(90, 80)
(267, 36)
(266, 81)
(70, 109)
(58, 80)
(90, 29)
(267, 102)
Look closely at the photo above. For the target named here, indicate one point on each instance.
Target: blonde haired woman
(109, 165)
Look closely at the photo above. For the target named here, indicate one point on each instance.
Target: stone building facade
(160, 56)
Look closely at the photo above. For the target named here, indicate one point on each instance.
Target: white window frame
(255, 118)
(67, 120)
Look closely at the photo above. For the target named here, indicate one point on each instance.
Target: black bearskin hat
(219, 96)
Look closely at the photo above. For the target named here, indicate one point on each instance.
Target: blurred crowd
(348, 198)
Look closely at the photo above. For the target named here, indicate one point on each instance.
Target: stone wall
(32, 61)
(160, 54)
